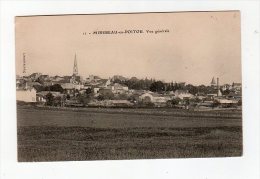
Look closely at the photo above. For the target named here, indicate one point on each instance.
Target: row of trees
(160, 86)
(55, 87)
(155, 86)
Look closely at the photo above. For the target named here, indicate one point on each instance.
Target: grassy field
(108, 134)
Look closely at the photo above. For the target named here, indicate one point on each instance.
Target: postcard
(128, 86)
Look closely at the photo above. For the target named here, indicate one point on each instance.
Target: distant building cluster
(123, 92)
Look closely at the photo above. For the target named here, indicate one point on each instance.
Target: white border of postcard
(243, 167)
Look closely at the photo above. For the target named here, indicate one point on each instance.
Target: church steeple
(213, 82)
(75, 67)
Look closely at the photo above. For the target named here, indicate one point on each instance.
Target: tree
(84, 99)
(157, 86)
(192, 89)
(137, 84)
(57, 88)
(49, 99)
(57, 101)
(105, 94)
(39, 88)
(225, 92)
(88, 91)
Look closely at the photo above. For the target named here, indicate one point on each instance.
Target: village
(119, 91)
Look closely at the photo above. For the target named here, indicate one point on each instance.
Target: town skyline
(113, 75)
(184, 54)
(139, 78)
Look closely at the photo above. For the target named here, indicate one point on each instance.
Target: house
(93, 78)
(118, 78)
(31, 84)
(227, 102)
(40, 98)
(75, 79)
(26, 95)
(201, 96)
(57, 78)
(154, 98)
(101, 83)
(44, 77)
(70, 87)
(237, 86)
(118, 88)
(183, 94)
(35, 76)
(226, 87)
(215, 93)
(111, 103)
(96, 90)
(235, 95)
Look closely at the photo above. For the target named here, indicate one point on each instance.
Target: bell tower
(75, 67)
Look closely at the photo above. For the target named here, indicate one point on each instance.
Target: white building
(118, 88)
(183, 94)
(154, 98)
(26, 95)
(71, 86)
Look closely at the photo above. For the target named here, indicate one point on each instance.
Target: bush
(175, 101)
(106, 94)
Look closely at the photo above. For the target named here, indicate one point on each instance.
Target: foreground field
(108, 134)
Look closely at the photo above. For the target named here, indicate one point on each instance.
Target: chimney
(217, 86)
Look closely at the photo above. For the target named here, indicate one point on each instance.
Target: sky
(196, 46)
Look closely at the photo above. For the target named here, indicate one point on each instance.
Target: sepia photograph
(128, 86)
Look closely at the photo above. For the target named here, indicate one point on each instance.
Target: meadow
(49, 134)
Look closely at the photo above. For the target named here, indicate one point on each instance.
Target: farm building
(26, 95)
